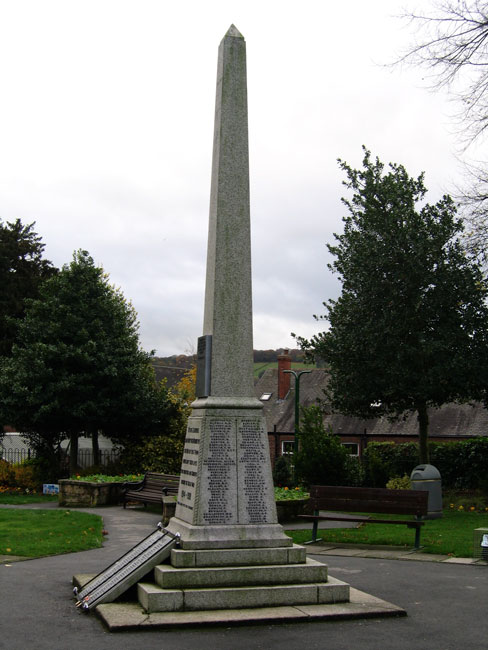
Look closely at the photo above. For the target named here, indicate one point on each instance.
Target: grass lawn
(35, 533)
(450, 535)
(22, 499)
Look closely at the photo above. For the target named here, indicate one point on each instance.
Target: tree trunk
(73, 453)
(95, 448)
(423, 419)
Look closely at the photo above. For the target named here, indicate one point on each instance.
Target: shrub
(321, 460)
(462, 464)
(154, 454)
(386, 460)
(402, 483)
(378, 463)
(282, 472)
(354, 472)
(26, 476)
(7, 476)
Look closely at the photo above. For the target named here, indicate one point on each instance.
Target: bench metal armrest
(132, 485)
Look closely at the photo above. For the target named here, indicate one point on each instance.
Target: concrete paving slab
(460, 560)
(346, 552)
(6, 559)
(120, 617)
(423, 557)
(322, 548)
(382, 555)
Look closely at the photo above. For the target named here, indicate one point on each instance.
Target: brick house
(276, 390)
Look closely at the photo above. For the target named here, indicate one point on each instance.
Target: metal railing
(15, 455)
(107, 456)
(85, 456)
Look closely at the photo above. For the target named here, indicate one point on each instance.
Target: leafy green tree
(164, 452)
(321, 459)
(410, 329)
(77, 367)
(22, 269)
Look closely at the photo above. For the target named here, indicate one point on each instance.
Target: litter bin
(481, 544)
(427, 477)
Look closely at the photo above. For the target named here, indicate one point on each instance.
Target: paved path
(446, 603)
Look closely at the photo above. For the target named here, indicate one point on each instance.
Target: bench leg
(417, 537)
(315, 530)
(315, 527)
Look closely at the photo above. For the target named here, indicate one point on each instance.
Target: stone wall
(77, 494)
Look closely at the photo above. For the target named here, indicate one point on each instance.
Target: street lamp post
(297, 376)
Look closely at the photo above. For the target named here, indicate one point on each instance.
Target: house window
(352, 448)
(287, 447)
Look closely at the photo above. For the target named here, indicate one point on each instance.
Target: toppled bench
(151, 489)
(376, 500)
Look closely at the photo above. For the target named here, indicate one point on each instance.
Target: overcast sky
(106, 123)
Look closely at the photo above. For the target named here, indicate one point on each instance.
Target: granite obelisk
(226, 497)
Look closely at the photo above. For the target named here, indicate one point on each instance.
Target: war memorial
(224, 558)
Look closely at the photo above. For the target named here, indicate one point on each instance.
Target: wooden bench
(151, 489)
(352, 499)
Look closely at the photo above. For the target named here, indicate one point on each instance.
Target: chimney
(284, 363)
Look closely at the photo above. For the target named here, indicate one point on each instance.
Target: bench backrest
(351, 499)
(156, 482)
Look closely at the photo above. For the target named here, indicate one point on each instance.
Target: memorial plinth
(226, 497)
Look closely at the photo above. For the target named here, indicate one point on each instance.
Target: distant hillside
(175, 361)
(265, 356)
(260, 356)
(173, 368)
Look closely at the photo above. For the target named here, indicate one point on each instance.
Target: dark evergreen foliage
(462, 463)
(22, 269)
(321, 460)
(410, 329)
(77, 366)
(282, 472)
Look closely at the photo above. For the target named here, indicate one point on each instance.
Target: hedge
(463, 464)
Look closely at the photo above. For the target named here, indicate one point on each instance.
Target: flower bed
(290, 502)
(104, 478)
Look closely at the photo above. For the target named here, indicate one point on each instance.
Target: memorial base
(231, 536)
(123, 617)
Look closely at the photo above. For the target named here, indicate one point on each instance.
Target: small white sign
(50, 488)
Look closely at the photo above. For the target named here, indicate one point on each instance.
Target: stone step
(120, 617)
(169, 577)
(155, 599)
(238, 556)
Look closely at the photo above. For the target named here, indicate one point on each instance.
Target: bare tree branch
(453, 44)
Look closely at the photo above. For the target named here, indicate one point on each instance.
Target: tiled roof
(449, 420)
